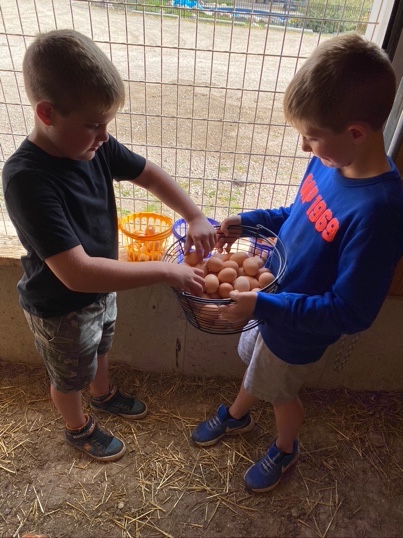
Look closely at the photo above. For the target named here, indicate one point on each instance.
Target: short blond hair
(69, 70)
(347, 79)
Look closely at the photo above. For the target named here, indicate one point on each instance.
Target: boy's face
(78, 135)
(334, 150)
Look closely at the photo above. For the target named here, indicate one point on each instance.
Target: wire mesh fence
(204, 85)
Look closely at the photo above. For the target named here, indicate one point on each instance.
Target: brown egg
(227, 275)
(203, 266)
(241, 284)
(214, 264)
(153, 245)
(262, 270)
(250, 266)
(239, 257)
(220, 255)
(260, 262)
(224, 290)
(155, 256)
(191, 258)
(253, 282)
(231, 263)
(211, 283)
(150, 230)
(265, 279)
(132, 255)
(208, 315)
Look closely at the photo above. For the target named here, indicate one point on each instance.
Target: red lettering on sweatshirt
(331, 230)
(308, 189)
(318, 212)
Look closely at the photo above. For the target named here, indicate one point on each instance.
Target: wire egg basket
(203, 313)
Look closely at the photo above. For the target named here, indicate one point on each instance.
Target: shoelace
(100, 438)
(268, 464)
(213, 422)
(121, 401)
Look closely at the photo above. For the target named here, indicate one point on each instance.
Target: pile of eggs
(224, 272)
(147, 249)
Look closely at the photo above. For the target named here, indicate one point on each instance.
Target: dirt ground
(348, 483)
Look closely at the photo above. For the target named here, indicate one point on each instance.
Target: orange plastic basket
(145, 236)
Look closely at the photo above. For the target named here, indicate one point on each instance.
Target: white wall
(153, 335)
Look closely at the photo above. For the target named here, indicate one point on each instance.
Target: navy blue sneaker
(117, 403)
(95, 442)
(210, 431)
(265, 474)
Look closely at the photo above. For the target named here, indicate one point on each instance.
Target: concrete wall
(153, 335)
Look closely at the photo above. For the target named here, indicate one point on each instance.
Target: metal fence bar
(204, 88)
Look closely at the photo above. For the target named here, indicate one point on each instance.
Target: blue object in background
(187, 3)
(179, 228)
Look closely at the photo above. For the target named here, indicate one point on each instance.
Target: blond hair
(346, 80)
(69, 70)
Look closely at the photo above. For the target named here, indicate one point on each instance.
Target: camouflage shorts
(70, 344)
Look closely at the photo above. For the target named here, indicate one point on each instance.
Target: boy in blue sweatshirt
(343, 236)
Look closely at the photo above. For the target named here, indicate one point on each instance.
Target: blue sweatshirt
(343, 238)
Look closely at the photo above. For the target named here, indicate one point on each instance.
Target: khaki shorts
(69, 345)
(268, 377)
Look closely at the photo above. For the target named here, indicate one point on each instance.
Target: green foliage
(153, 207)
(332, 16)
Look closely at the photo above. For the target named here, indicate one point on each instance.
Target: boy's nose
(103, 135)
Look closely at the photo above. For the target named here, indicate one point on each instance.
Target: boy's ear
(45, 110)
(357, 132)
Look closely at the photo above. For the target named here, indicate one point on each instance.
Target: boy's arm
(200, 233)
(271, 219)
(82, 273)
(351, 304)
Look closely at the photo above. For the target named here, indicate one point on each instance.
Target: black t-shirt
(56, 204)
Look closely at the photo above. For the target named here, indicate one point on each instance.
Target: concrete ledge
(152, 334)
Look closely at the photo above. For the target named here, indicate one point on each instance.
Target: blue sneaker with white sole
(265, 474)
(209, 432)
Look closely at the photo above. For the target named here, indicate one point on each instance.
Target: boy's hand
(202, 235)
(242, 308)
(226, 235)
(186, 278)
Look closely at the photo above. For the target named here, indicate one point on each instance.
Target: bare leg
(243, 402)
(69, 405)
(100, 383)
(289, 419)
